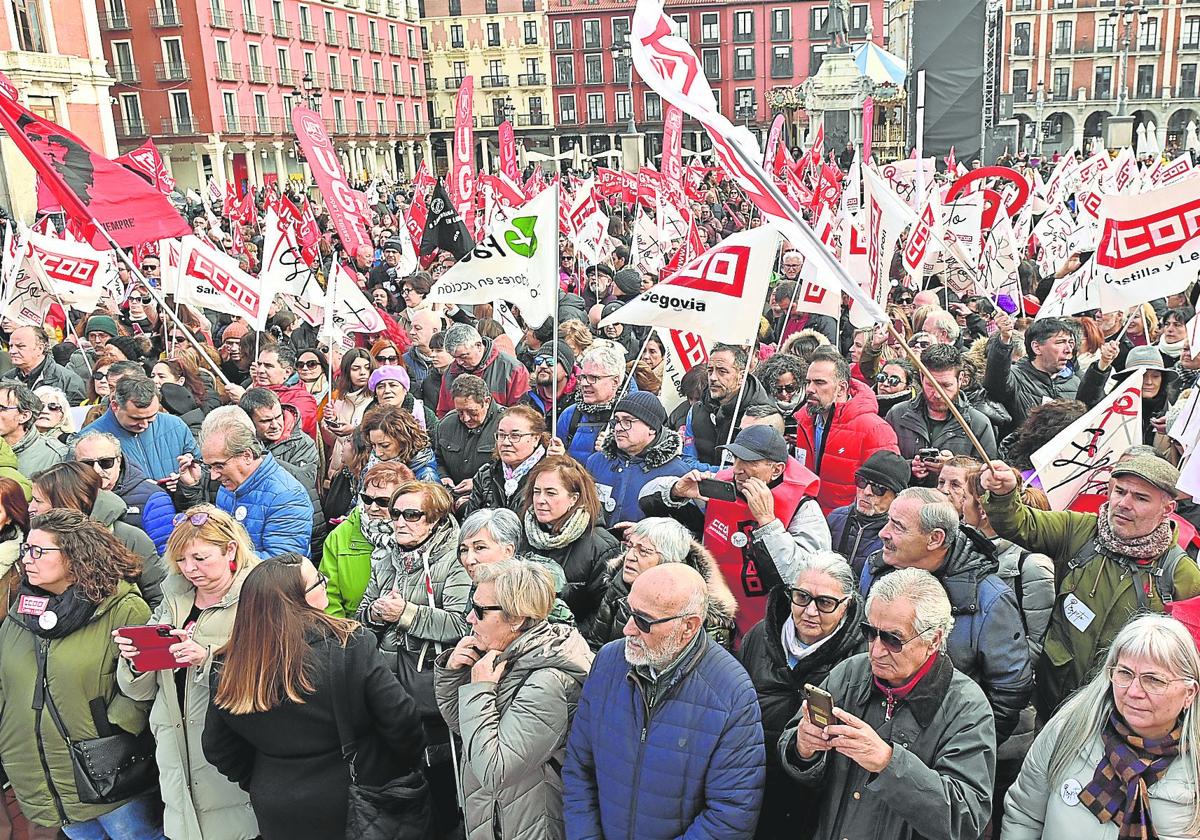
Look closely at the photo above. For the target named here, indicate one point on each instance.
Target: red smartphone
(153, 642)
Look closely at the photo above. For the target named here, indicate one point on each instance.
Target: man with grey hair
(667, 696)
(19, 409)
(988, 641)
(33, 365)
(601, 370)
(147, 505)
(152, 439)
(506, 378)
(255, 489)
(911, 747)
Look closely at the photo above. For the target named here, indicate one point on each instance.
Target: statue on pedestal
(837, 23)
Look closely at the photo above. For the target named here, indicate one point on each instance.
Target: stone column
(251, 162)
(281, 171)
(427, 155)
(373, 158)
(353, 168)
(410, 158)
(201, 178)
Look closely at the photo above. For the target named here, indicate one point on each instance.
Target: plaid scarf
(1148, 547)
(1131, 764)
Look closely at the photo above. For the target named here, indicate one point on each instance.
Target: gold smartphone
(820, 706)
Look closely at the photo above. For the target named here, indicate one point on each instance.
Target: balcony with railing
(430, 84)
(336, 126)
(172, 71)
(308, 33)
(525, 120)
(125, 74)
(489, 120)
(260, 75)
(494, 81)
(333, 38)
(179, 126)
(227, 71)
(354, 41)
(373, 6)
(263, 124)
(166, 17)
(363, 126)
(453, 82)
(378, 86)
(336, 81)
(287, 77)
(413, 52)
(131, 128)
(358, 84)
(436, 122)
(395, 47)
(115, 21)
(399, 88)
(281, 28)
(253, 24)
(232, 124)
(526, 79)
(221, 18)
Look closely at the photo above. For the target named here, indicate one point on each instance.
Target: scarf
(1168, 348)
(794, 648)
(1146, 547)
(593, 410)
(71, 609)
(513, 475)
(1117, 792)
(576, 526)
(380, 534)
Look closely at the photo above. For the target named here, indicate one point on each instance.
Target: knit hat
(388, 373)
(886, 469)
(629, 281)
(546, 331)
(128, 346)
(1151, 469)
(393, 244)
(645, 407)
(101, 323)
(235, 330)
(610, 308)
(566, 356)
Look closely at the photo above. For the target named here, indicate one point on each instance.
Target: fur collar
(666, 445)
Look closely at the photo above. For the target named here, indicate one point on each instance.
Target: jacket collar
(666, 445)
(929, 694)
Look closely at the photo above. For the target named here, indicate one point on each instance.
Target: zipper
(44, 644)
(637, 773)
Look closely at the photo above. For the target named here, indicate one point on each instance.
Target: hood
(109, 508)
(862, 401)
(30, 437)
(753, 393)
(489, 355)
(547, 645)
(131, 476)
(291, 422)
(847, 639)
(177, 400)
(722, 606)
(666, 445)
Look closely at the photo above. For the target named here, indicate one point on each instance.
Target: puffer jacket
(938, 784)
(619, 477)
(346, 561)
(579, 435)
(108, 510)
(487, 490)
(292, 392)
(692, 767)
(708, 424)
(854, 432)
(155, 450)
(1022, 387)
(612, 614)
(461, 451)
(855, 536)
(506, 378)
(9, 469)
(789, 811)
(514, 732)
(273, 507)
(296, 450)
(200, 802)
(911, 424)
(147, 506)
(583, 562)
(79, 667)
(987, 642)
(36, 452)
(1031, 577)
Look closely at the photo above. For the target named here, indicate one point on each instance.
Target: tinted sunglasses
(378, 501)
(863, 484)
(107, 464)
(480, 609)
(645, 624)
(52, 407)
(787, 390)
(389, 359)
(99, 374)
(887, 379)
(197, 519)
(306, 364)
(891, 640)
(539, 361)
(408, 514)
(825, 603)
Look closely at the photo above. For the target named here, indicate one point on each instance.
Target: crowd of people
(495, 558)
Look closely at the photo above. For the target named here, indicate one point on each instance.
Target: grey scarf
(380, 534)
(575, 527)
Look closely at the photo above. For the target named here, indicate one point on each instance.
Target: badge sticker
(32, 604)
(739, 540)
(48, 620)
(240, 513)
(1070, 791)
(1077, 613)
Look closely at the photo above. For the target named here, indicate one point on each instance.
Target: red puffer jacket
(855, 432)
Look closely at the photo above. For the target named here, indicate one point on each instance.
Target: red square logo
(721, 270)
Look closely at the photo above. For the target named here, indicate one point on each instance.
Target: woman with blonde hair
(209, 555)
(55, 419)
(1121, 758)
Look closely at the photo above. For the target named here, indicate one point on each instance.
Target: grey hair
(1165, 642)
(937, 511)
(943, 320)
(470, 387)
(931, 605)
(524, 588)
(26, 399)
(610, 359)
(104, 436)
(235, 426)
(503, 525)
(256, 398)
(284, 352)
(460, 335)
(138, 389)
(670, 539)
(829, 563)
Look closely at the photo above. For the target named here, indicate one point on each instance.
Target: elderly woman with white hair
(510, 689)
(649, 543)
(601, 371)
(909, 748)
(1121, 758)
(55, 419)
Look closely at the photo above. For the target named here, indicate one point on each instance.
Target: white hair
(235, 426)
(671, 540)
(829, 563)
(931, 605)
(610, 359)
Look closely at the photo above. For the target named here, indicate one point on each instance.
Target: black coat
(789, 810)
(712, 421)
(585, 564)
(487, 490)
(289, 759)
(462, 451)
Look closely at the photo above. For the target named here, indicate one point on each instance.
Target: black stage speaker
(947, 43)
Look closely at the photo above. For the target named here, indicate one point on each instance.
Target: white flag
(647, 254)
(212, 280)
(1080, 458)
(588, 224)
(718, 295)
(685, 350)
(76, 273)
(347, 309)
(1071, 295)
(886, 218)
(517, 261)
(26, 299)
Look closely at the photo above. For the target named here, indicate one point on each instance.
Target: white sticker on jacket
(1077, 613)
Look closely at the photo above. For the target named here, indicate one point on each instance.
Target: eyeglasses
(196, 519)
(543, 361)
(1122, 677)
(863, 484)
(322, 580)
(104, 464)
(221, 465)
(306, 364)
(409, 290)
(922, 344)
(10, 408)
(408, 514)
(480, 609)
(891, 640)
(643, 552)
(824, 603)
(377, 501)
(887, 379)
(515, 437)
(593, 378)
(645, 624)
(145, 301)
(389, 359)
(624, 424)
(904, 301)
(36, 551)
(787, 390)
(52, 407)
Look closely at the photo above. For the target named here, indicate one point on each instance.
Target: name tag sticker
(1070, 791)
(1078, 613)
(32, 604)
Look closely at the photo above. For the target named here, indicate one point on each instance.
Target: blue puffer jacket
(154, 451)
(274, 509)
(619, 478)
(695, 771)
(580, 441)
(854, 536)
(148, 506)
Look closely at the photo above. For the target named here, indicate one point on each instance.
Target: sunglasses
(305, 365)
(99, 374)
(408, 514)
(887, 379)
(824, 603)
(787, 390)
(377, 501)
(645, 624)
(390, 359)
(480, 609)
(196, 519)
(863, 484)
(923, 344)
(107, 464)
(891, 640)
(904, 301)
(543, 361)
(145, 301)
(53, 407)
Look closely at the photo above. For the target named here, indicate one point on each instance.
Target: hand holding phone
(713, 488)
(147, 646)
(820, 706)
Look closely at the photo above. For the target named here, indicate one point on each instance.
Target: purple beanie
(395, 373)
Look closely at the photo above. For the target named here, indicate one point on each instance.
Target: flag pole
(554, 316)
(737, 404)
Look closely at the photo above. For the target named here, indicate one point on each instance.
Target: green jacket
(1102, 584)
(9, 469)
(79, 667)
(200, 802)
(346, 561)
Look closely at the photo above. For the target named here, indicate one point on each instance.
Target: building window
(30, 33)
(1145, 81)
(564, 69)
(743, 26)
(455, 7)
(562, 34)
(710, 28)
(621, 70)
(816, 54)
(131, 113)
(1106, 33)
(1021, 42)
(620, 30)
(1148, 34)
(1191, 33)
(653, 106)
(816, 27)
(1103, 87)
(531, 29)
(595, 105)
(680, 27)
(491, 7)
(781, 63)
(1061, 83)
(1187, 81)
(711, 62)
(858, 20)
(743, 63)
(781, 24)
(528, 5)
(1020, 85)
(566, 109)
(493, 34)
(456, 36)
(591, 34)
(1062, 36)
(623, 103)
(593, 69)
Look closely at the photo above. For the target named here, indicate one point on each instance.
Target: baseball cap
(758, 443)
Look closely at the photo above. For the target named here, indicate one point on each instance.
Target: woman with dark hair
(392, 434)
(1043, 423)
(351, 400)
(1174, 334)
(182, 393)
(521, 441)
(895, 383)
(75, 486)
(413, 290)
(313, 369)
(560, 515)
(58, 675)
(271, 726)
(782, 375)
(14, 526)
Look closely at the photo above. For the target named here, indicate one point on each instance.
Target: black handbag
(401, 809)
(339, 498)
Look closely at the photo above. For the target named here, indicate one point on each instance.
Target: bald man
(423, 325)
(666, 696)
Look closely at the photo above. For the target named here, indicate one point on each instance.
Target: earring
(233, 565)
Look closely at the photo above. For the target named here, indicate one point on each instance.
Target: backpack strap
(1164, 575)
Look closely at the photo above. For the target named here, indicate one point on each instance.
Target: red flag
(508, 153)
(462, 161)
(774, 141)
(951, 163)
(868, 126)
(424, 180)
(231, 199)
(827, 191)
(672, 155)
(92, 189)
(817, 153)
(147, 162)
(341, 201)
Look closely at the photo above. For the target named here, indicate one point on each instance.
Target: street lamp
(746, 111)
(620, 51)
(310, 95)
(509, 110)
(1039, 106)
(1126, 19)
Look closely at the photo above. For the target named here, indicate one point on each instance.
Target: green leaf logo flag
(523, 240)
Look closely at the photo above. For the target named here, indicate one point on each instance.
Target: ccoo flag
(517, 261)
